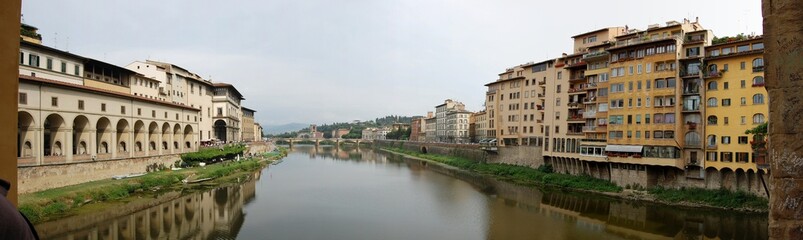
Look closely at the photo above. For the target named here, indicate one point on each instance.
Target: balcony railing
(693, 144)
(595, 54)
(691, 90)
(576, 90)
(691, 107)
(578, 78)
(573, 104)
(589, 128)
(576, 64)
(542, 82)
(689, 74)
(711, 146)
(576, 118)
(693, 40)
(758, 69)
(574, 133)
(713, 74)
(645, 39)
(539, 107)
(589, 100)
(540, 95)
(589, 114)
(588, 85)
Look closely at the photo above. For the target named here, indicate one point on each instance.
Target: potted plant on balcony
(759, 143)
(692, 125)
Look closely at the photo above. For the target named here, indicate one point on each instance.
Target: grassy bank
(718, 198)
(520, 174)
(58, 202)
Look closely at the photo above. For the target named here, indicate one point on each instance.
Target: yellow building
(736, 101)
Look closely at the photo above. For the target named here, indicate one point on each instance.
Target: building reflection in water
(212, 214)
(520, 212)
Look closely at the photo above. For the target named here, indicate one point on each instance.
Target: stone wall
(38, 178)
(467, 151)
(528, 156)
(627, 174)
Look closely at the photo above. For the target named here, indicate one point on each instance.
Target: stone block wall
(38, 178)
(528, 156)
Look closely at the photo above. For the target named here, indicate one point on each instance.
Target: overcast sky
(327, 61)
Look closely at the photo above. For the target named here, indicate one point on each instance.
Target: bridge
(318, 141)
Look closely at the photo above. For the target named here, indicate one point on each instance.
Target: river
(359, 193)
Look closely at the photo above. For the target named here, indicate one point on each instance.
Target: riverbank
(65, 201)
(544, 176)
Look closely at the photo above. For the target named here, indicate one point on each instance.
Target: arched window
(758, 118)
(758, 64)
(712, 120)
(711, 140)
(712, 102)
(712, 69)
(758, 81)
(758, 98)
(712, 85)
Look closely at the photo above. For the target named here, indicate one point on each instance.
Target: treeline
(355, 129)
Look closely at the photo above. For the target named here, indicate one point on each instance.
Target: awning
(623, 148)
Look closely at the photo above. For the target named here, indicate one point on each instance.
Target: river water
(358, 193)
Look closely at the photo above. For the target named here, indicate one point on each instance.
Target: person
(13, 225)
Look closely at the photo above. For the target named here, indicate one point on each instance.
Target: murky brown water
(349, 193)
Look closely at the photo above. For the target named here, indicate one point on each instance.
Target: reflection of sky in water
(357, 193)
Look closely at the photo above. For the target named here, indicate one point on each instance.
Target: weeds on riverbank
(718, 198)
(543, 175)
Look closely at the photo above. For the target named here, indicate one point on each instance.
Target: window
(220, 111)
(741, 65)
(63, 67)
(560, 74)
(647, 134)
(648, 68)
(669, 118)
(744, 120)
(726, 102)
(712, 85)
(743, 101)
(647, 118)
(638, 102)
(711, 156)
(758, 118)
(557, 89)
(103, 107)
(647, 102)
(638, 119)
(638, 85)
(648, 84)
(33, 60)
(22, 58)
(726, 140)
(54, 101)
(712, 102)
(49, 64)
(629, 119)
(743, 48)
(23, 98)
(758, 81)
(712, 120)
(758, 98)
(742, 139)
(660, 83)
(742, 83)
(80, 104)
(630, 86)
(638, 67)
(139, 111)
(725, 120)
(670, 82)
(629, 134)
(77, 70)
(122, 109)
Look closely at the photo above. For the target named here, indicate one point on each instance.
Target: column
(68, 144)
(38, 145)
(113, 143)
(147, 143)
(783, 41)
(131, 143)
(93, 142)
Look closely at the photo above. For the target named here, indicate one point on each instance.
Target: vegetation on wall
(212, 154)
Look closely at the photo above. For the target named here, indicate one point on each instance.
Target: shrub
(211, 154)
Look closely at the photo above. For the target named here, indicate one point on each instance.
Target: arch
(758, 98)
(81, 135)
(712, 120)
(758, 81)
(188, 138)
(741, 180)
(713, 178)
(751, 180)
(712, 102)
(758, 63)
(711, 140)
(424, 150)
(123, 135)
(220, 130)
(692, 138)
(728, 178)
(139, 136)
(166, 133)
(712, 85)
(25, 134)
(758, 118)
(712, 69)
(53, 128)
(177, 137)
(153, 136)
(103, 128)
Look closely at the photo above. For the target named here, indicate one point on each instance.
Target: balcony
(691, 90)
(581, 77)
(589, 128)
(635, 41)
(590, 100)
(589, 86)
(539, 107)
(694, 40)
(693, 162)
(576, 91)
(761, 84)
(691, 125)
(573, 105)
(541, 95)
(758, 69)
(574, 133)
(693, 144)
(595, 55)
(576, 118)
(576, 64)
(589, 114)
(711, 146)
(542, 82)
(685, 74)
(691, 107)
(713, 74)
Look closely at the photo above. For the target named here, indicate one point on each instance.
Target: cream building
(226, 104)
(457, 126)
(247, 131)
(440, 118)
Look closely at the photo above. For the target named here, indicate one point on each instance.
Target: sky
(319, 61)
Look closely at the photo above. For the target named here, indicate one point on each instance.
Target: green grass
(520, 174)
(718, 198)
(54, 203)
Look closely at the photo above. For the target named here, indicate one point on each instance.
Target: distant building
(440, 116)
(248, 125)
(457, 126)
(339, 133)
(415, 132)
(478, 124)
(430, 125)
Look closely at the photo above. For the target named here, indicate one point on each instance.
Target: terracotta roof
(101, 91)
